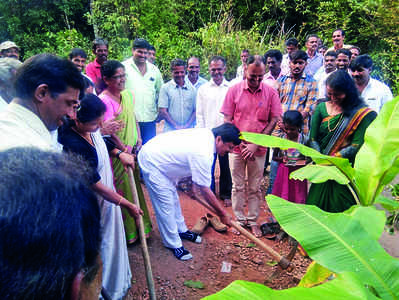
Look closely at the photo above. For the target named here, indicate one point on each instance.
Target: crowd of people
(70, 131)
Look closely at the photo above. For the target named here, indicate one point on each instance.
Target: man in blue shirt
(177, 99)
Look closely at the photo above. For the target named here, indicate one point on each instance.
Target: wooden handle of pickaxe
(144, 247)
(283, 262)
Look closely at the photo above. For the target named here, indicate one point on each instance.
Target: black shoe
(191, 236)
(181, 253)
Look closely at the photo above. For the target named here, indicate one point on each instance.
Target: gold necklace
(328, 123)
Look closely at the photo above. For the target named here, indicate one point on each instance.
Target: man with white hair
(8, 68)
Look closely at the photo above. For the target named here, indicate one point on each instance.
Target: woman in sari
(82, 136)
(337, 129)
(120, 106)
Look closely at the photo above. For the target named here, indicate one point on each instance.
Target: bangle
(119, 203)
(118, 153)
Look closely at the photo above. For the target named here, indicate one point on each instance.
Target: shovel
(283, 262)
(144, 248)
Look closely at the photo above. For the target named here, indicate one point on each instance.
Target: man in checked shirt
(297, 91)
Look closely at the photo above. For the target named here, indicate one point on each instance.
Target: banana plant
(376, 163)
(349, 262)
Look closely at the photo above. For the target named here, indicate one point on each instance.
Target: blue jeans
(147, 130)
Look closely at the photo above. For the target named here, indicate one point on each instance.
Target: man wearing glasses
(252, 106)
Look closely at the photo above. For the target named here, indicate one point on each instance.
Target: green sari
(340, 136)
(128, 135)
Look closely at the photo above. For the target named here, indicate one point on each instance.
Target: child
(290, 160)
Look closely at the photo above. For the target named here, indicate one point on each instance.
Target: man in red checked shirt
(252, 106)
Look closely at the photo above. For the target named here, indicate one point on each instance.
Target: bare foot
(256, 231)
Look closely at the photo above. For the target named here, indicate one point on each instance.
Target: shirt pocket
(262, 113)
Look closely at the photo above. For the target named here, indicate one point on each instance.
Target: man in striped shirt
(297, 90)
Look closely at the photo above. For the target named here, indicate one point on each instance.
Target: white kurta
(210, 98)
(19, 127)
(116, 268)
(164, 160)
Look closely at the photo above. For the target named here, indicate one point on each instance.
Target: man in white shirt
(210, 99)
(47, 90)
(244, 57)
(338, 37)
(291, 45)
(374, 92)
(193, 71)
(167, 158)
(8, 68)
(321, 75)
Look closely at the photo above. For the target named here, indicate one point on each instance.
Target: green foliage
(377, 162)
(345, 286)
(38, 26)
(315, 274)
(348, 241)
(319, 174)
(340, 243)
(194, 284)
(271, 141)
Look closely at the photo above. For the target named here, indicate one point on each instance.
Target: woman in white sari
(84, 138)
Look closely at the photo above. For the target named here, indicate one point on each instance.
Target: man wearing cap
(145, 80)
(9, 49)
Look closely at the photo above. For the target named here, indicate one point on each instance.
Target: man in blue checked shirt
(177, 99)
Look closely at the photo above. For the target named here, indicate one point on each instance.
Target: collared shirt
(3, 103)
(93, 70)
(179, 100)
(314, 63)
(298, 94)
(270, 80)
(251, 111)
(285, 65)
(180, 153)
(344, 46)
(199, 82)
(145, 89)
(20, 127)
(210, 97)
(376, 94)
(321, 84)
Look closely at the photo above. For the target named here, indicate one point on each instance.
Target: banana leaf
(377, 162)
(272, 141)
(346, 286)
(339, 242)
(364, 215)
(390, 205)
(316, 274)
(319, 174)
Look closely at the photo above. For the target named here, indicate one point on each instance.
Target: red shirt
(93, 70)
(251, 112)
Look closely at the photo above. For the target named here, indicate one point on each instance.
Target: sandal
(267, 231)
